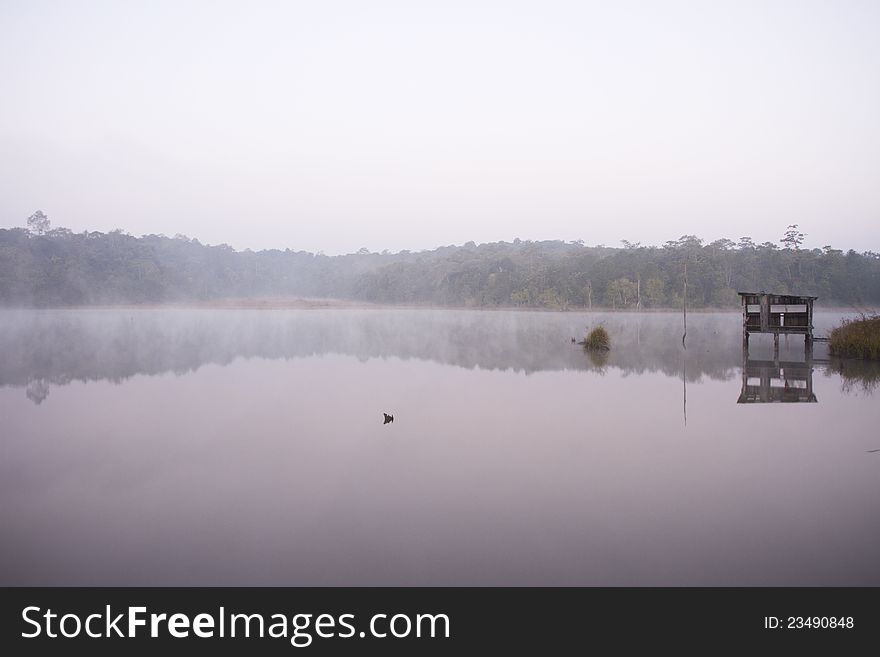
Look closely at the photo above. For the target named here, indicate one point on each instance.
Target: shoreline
(307, 303)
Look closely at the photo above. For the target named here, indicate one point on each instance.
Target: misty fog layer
(230, 447)
(52, 267)
(59, 346)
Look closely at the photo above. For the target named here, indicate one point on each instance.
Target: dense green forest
(44, 266)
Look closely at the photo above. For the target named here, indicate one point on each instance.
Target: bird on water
(388, 418)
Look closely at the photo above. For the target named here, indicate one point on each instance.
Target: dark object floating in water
(573, 341)
(871, 451)
(388, 418)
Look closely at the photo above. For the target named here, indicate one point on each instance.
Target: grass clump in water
(598, 340)
(856, 338)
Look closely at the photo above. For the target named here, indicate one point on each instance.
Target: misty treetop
(45, 266)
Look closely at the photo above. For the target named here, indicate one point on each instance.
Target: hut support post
(808, 336)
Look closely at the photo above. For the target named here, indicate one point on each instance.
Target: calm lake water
(166, 447)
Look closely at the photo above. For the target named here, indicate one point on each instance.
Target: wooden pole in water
(684, 306)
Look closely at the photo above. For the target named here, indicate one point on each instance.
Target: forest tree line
(44, 266)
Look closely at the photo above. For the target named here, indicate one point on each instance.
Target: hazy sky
(331, 125)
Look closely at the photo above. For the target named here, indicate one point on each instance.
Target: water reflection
(766, 381)
(514, 458)
(42, 349)
(857, 375)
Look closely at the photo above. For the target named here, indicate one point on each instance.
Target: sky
(332, 125)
